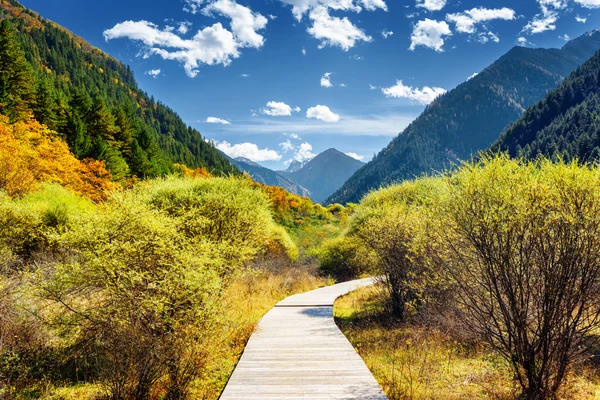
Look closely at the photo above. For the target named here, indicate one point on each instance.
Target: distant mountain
(94, 102)
(268, 177)
(296, 166)
(325, 173)
(244, 160)
(566, 123)
(470, 117)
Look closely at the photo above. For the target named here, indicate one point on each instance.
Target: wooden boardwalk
(297, 352)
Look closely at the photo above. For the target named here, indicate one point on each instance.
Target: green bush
(344, 258)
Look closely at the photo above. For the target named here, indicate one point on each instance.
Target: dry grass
(413, 361)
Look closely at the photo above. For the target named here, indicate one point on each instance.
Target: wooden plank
(297, 352)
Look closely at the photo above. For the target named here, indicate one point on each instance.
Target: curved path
(297, 352)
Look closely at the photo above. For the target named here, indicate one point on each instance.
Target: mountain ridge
(470, 117)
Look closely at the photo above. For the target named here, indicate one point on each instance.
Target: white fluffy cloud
(304, 153)
(287, 146)
(334, 31)
(184, 27)
(386, 34)
(565, 37)
(546, 19)
(215, 120)
(472, 76)
(322, 113)
(301, 7)
(589, 3)
(432, 5)
(372, 5)
(355, 156)
(153, 73)
(424, 96)
(278, 109)
(326, 80)
(245, 23)
(330, 30)
(430, 33)
(212, 45)
(581, 20)
(467, 21)
(193, 6)
(248, 150)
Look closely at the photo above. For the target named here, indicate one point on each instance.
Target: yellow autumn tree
(30, 154)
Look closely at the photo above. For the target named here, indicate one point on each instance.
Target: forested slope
(470, 117)
(565, 124)
(93, 100)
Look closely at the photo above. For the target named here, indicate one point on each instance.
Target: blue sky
(276, 80)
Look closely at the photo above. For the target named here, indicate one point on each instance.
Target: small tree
(522, 242)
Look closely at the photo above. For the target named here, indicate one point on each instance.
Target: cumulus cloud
(581, 20)
(303, 52)
(546, 19)
(430, 33)
(467, 21)
(153, 73)
(326, 80)
(322, 113)
(248, 150)
(286, 146)
(372, 5)
(589, 3)
(215, 120)
(386, 34)
(330, 30)
(485, 37)
(355, 156)
(184, 27)
(193, 6)
(212, 45)
(334, 31)
(472, 76)
(304, 153)
(278, 109)
(301, 7)
(245, 23)
(565, 37)
(432, 5)
(424, 96)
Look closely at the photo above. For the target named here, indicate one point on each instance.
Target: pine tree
(16, 77)
(45, 107)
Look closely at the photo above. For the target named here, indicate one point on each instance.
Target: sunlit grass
(415, 361)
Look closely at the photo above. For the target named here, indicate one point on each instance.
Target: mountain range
(317, 178)
(471, 117)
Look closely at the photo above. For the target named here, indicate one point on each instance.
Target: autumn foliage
(31, 154)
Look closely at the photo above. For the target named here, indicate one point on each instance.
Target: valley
(185, 218)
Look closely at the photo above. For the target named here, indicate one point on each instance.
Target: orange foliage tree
(30, 154)
(191, 173)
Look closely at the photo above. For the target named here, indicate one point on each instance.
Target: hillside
(269, 177)
(565, 124)
(325, 173)
(94, 101)
(470, 117)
